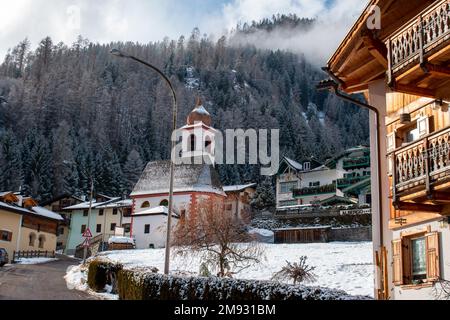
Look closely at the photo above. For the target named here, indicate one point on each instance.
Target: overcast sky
(152, 20)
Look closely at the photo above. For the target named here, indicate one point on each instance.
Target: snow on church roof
(187, 178)
(238, 187)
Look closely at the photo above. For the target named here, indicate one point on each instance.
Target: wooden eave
(359, 58)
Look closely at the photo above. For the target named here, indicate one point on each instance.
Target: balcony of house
(309, 191)
(419, 52)
(356, 163)
(348, 181)
(421, 173)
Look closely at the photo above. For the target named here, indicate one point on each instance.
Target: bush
(145, 284)
(102, 273)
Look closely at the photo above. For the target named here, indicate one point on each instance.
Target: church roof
(199, 114)
(187, 178)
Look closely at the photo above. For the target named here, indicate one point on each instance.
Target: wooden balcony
(421, 172)
(329, 188)
(356, 163)
(418, 53)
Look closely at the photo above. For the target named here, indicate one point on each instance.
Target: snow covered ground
(35, 260)
(345, 266)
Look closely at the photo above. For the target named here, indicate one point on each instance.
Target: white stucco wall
(180, 201)
(157, 235)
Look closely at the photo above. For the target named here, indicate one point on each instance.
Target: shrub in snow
(101, 274)
(140, 284)
(297, 272)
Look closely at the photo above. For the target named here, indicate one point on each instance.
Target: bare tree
(441, 290)
(297, 272)
(218, 237)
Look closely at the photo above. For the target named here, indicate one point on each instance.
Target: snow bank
(76, 279)
(339, 265)
(35, 260)
(262, 232)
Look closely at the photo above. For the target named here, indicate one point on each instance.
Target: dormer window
(306, 166)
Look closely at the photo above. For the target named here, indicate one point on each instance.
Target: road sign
(86, 242)
(87, 233)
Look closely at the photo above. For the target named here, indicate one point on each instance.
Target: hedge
(147, 285)
(102, 273)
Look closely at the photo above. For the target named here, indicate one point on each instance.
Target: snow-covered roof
(86, 204)
(12, 207)
(302, 228)
(294, 164)
(40, 211)
(116, 204)
(187, 178)
(238, 187)
(201, 109)
(117, 239)
(161, 210)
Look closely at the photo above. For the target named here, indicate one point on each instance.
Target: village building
(150, 229)
(109, 217)
(56, 205)
(238, 200)
(311, 182)
(195, 180)
(403, 71)
(25, 226)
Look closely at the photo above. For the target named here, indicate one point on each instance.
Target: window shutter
(423, 126)
(432, 246)
(390, 142)
(397, 263)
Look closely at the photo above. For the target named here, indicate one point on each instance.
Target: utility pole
(89, 220)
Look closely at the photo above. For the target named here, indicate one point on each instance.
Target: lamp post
(120, 54)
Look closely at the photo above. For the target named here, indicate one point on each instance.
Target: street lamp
(120, 54)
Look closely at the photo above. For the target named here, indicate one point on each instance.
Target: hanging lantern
(405, 118)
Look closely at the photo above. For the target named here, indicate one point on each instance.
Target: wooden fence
(33, 254)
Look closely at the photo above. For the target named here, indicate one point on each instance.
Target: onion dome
(199, 114)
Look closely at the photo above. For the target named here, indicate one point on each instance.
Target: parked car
(3, 257)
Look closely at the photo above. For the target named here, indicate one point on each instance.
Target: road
(38, 282)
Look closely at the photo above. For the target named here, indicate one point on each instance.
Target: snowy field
(339, 265)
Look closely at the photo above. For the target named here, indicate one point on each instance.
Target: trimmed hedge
(146, 285)
(101, 273)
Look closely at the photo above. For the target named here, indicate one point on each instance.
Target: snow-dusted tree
(296, 272)
(264, 197)
(10, 163)
(132, 169)
(218, 238)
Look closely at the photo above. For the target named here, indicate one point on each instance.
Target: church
(193, 182)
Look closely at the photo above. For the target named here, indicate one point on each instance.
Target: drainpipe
(333, 86)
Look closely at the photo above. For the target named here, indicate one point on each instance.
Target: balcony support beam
(410, 206)
(414, 90)
(376, 48)
(436, 69)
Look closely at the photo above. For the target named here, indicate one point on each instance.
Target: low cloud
(151, 20)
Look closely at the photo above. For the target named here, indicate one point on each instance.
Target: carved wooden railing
(419, 36)
(422, 163)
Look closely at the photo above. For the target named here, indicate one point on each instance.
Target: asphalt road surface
(39, 282)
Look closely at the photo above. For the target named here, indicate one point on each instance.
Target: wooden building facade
(398, 55)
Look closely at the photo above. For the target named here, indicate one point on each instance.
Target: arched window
(164, 203)
(192, 142)
(208, 144)
(41, 241)
(32, 239)
(146, 204)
